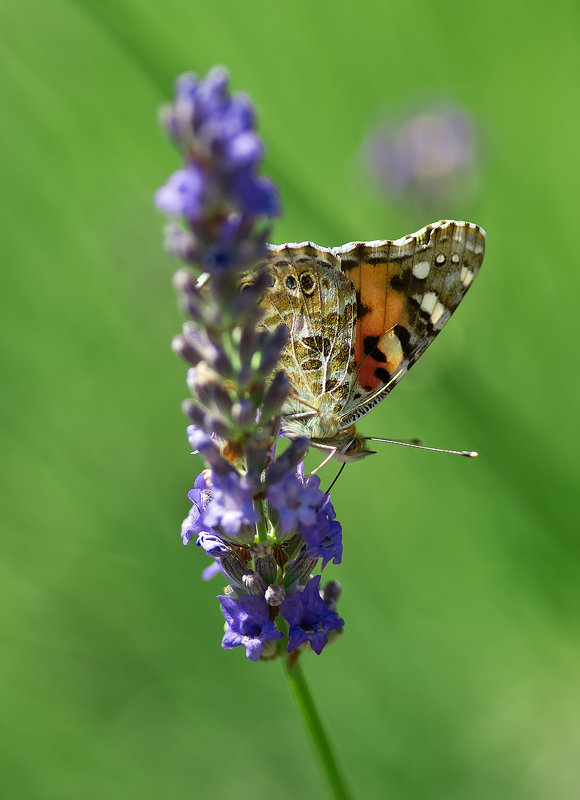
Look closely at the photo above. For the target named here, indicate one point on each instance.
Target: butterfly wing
(406, 290)
(311, 295)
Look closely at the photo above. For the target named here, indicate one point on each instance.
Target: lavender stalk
(263, 522)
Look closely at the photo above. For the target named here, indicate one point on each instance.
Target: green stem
(313, 723)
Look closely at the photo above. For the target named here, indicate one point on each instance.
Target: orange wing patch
(378, 351)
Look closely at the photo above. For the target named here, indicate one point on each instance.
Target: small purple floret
(248, 623)
(324, 538)
(295, 502)
(232, 505)
(182, 194)
(309, 618)
(194, 523)
(213, 545)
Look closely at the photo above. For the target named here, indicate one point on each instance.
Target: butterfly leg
(327, 459)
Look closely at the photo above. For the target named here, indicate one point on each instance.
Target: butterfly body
(358, 317)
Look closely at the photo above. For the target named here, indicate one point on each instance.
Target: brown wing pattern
(314, 299)
(406, 290)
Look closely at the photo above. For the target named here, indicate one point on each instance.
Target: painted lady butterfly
(359, 316)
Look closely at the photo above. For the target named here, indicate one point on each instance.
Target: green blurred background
(457, 677)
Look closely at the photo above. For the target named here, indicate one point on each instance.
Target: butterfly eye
(307, 283)
(290, 282)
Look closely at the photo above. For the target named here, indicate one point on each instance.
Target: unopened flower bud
(275, 396)
(266, 567)
(331, 594)
(234, 568)
(253, 583)
(244, 414)
(204, 444)
(180, 243)
(275, 595)
(184, 281)
(211, 353)
(287, 461)
(270, 353)
(300, 568)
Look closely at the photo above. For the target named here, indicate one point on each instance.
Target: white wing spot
(429, 302)
(421, 269)
(466, 276)
(437, 313)
(455, 258)
(440, 259)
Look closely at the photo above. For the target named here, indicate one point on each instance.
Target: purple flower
(182, 194)
(425, 154)
(200, 496)
(211, 571)
(245, 150)
(309, 618)
(324, 538)
(226, 559)
(257, 195)
(248, 623)
(212, 544)
(222, 154)
(231, 247)
(295, 502)
(232, 505)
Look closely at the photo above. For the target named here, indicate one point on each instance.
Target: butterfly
(358, 318)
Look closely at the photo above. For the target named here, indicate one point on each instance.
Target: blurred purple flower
(182, 194)
(425, 155)
(215, 132)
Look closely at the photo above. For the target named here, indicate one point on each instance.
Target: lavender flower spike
(263, 522)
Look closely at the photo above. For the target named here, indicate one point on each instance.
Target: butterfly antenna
(415, 443)
(338, 474)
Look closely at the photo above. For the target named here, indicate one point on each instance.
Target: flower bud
(266, 567)
(275, 595)
(275, 396)
(331, 594)
(243, 414)
(205, 420)
(203, 443)
(270, 353)
(184, 350)
(253, 583)
(234, 568)
(287, 461)
(299, 569)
